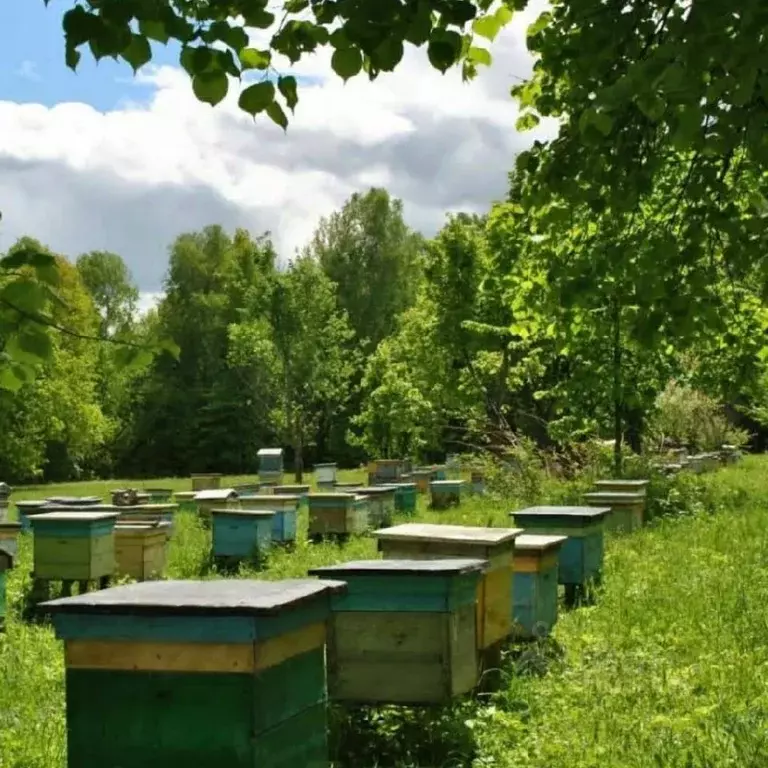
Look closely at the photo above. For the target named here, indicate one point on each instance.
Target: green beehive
(381, 504)
(337, 515)
(446, 493)
(405, 498)
(186, 500)
(160, 495)
(627, 509)
(206, 674)
(404, 632)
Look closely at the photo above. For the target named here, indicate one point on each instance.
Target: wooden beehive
(9, 538)
(405, 498)
(622, 486)
(211, 674)
(534, 592)
(8, 551)
(495, 546)
(627, 509)
(325, 474)
(446, 493)
(302, 491)
(76, 545)
(26, 509)
(381, 504)
(337, 514)
(422, 477)
(205, 482)
(219, 498)
(477, 482)
(404, 632)
(159, 495)
(6, 563)
(271, 466)
(344, 487)
(284, 507)
(580, 561)
(241, 534)
(150, 513)
(186, 501)
(140, 549)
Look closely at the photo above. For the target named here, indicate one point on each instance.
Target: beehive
(385, 471)
(622, 486)
(302, 491)
(446, 493)
(149, 513)
(206, 482)
(8, 551)
(186, 501)
(534, 592)
(580, 560)
(9, 535)
(344, 487)
(477, 481)
(241, 534)
(140, 549)
(405, 497)
(381, 504)
(325, 475)
(26, 509)
(337, 514)
(128, 497)
(495, 546)
(404, 632)
(74, 501)
(422, 477)
(244, 489)
(626, 513)
(453, 466)
(283, 520)
(271, 466)
(219, 498)
(160, 495)
(207, 674)
(76, 545)
(6, 563)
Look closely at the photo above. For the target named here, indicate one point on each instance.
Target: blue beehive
(241, 534)
(283, 507)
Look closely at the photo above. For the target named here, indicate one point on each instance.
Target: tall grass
(669, 668)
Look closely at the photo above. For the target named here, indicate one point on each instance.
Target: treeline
(375, 341)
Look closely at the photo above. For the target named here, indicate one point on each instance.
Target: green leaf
(79, 25)
(34, 342)
(210, 87)
(257, 97)
(277, 115)
(479, 56)
(11, 378)
(287, 87)
(651, 105)
(27, 257)
(72, 58)
(296, 6)
(154, 30)
(258, 17)
(388, 55)
(138, 53)
(527, 121)
(347, 62)
(251, 58)
(171, 347)
(24, 294)
(444, 49)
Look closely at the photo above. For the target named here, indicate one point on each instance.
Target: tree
(302, 344)
(215, 44)
(374, 258)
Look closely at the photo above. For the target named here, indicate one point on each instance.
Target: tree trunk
(618, 405)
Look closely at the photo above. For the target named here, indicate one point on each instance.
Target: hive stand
(284, 508)
(186, 501)
(26, 509)
(446, 493)
(219, 498)
(405, 498)
(140, 549)
(404, 632)
(72, 546)
(622, 486)
(494, 546)
(270, 466)
(580, 561)
(227, 673)
(381, 504)
(534, 594)
(627, 509)
(325, 476)
(206, 482)
(240, 534)
(337, 516)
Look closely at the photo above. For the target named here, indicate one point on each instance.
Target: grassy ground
(669, 669)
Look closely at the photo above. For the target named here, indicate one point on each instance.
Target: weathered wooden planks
(205, 674)
(381, 503)
(404, 632)
(140, 549)
(337, 515)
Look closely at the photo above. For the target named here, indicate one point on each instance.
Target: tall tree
(367, 249)
(302, 344)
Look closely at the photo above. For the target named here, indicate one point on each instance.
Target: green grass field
(668, 670)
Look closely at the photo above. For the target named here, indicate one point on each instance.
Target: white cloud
(130, 179)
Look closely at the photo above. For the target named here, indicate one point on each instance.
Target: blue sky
(32, 68)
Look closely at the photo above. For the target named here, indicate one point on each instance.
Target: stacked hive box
(622, 486)
(206, 482)
(140, 549)
(27, 509)
(580, 561)
(446, 493)
(325, 476)
(159, 495)
(337, 515)
(284, 508)
(271, 466)
(494, 546)
(205, 674)
(149, 514)
(404, 632)
(241, 534)
(534, 602)
(302, 491)
(405, 497)
(627, 509)
(422, 477)
(385, 471)
(220, 499)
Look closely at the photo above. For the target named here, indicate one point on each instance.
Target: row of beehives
(237, 672)
(678, 460)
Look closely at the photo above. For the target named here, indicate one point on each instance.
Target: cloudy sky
(104, 160)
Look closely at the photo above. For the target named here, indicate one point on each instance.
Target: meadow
(668, 668)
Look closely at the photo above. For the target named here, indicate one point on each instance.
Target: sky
(105, 160)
